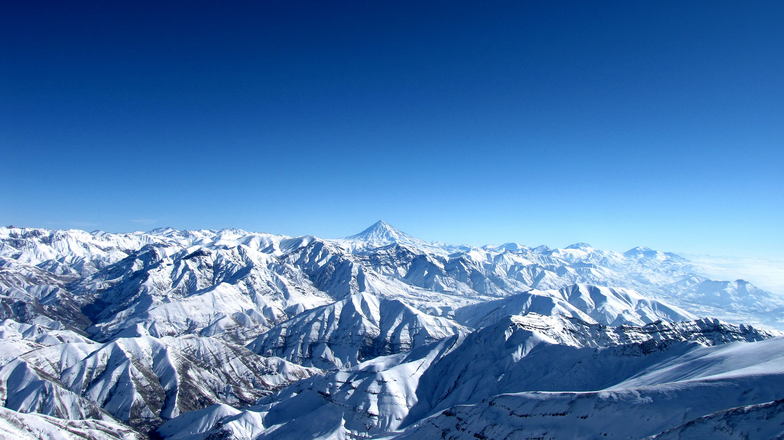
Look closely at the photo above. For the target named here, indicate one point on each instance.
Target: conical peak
(380, 231)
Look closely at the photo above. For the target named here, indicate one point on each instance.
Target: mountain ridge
(190, 334)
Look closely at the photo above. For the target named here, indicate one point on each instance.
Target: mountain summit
(382, 233)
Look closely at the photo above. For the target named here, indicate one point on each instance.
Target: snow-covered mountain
(398, 395)
(233, 334)
(381, 234)
(551, 353)
(351, 330)
(169, 280)
(372, 398)
(763, 420)
(32, 426)
(678, 397)
(595, 304)
(138, 379)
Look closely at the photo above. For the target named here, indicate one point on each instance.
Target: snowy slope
(20, 426)
(17, 338)
(595, 304)
(388, 394)
(763, 421)
(31, 294)
(533, 352)
(173, 291)
(368, 399)
(381, 234)
(654, 407)
(139, 380)
(347, 332)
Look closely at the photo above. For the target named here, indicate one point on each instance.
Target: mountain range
(197, 334)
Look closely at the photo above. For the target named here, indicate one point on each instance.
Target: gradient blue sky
(616, 123)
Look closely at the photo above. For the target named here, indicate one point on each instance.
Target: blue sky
(615, 123)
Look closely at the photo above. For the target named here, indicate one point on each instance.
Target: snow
(596, 304)
(402, 394)
(235, 334)
(372, 397)
(346, 332)
(656, 406)
(140, 380)
(16, 425)
(763, 421)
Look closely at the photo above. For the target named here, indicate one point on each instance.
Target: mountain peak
(380, 224)
(579, 245)
(640, 249)
(646, 252)
(381, 232)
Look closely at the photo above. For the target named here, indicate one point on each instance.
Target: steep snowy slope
(594, 304)
(752, 376)
(550, 353)
(25, 388)
(347, 332)
(369, 399)
(172, 291)
(69, 252)
(19, 426)
(31, 294)
(381, 234)
(763, 421)
(533, 352)
(140, 380)
(17, 338)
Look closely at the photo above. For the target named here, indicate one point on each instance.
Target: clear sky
(616, 123)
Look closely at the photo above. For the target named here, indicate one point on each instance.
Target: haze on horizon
(618, 124)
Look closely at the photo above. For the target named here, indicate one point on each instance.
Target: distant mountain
(641, 252)
(381, 233)
(594, 304)
(171, 278)
(229, 334)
